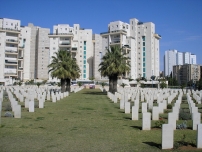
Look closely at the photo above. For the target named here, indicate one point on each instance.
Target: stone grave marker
(167, 136)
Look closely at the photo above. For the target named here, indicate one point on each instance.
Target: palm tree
(114, 63)
(64, 67)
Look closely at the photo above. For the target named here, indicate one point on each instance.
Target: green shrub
(184, 115)
(184, 98)
(8, 114)
(159, 123)
(8, 107)
(169, 106)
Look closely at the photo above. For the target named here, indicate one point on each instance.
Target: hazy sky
(179, 22)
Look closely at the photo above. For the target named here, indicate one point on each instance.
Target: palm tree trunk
(110, 84)
(68, 85)
(115, 77)
(62, 81)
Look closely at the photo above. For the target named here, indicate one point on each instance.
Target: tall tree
(114, 63)
(64, 67)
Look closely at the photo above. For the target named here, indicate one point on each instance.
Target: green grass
(85, 121)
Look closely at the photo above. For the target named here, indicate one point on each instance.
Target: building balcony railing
(71, 34)
(74, 48)
(65, 42)
(11, 52)
(126, 46)
(116, 31)
(20, 68)
(20, 57)
(115, 42)
(9, 29)
(10, 62)
(10, 73)
(12, 40)
(157, 36)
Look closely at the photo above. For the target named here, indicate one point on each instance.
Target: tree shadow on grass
(128, 118)
(95, 93)
(153, 144)
(136, 127)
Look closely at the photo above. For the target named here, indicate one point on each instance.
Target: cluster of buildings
(26, 51)
(182, 66)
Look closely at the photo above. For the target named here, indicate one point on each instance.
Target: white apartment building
(173, 57)
(170, 60)
(39, 52)
(10, 50)
(97, 55)
(24, 51)
(140, 41)
(76, 40)
(192, 59)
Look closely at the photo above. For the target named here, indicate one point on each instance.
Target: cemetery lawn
(84, 121)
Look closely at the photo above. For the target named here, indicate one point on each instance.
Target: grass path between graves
(86, 121)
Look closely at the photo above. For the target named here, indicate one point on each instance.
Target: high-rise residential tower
(173, 57)
(76, 40)
(140, 41)
(10, 50)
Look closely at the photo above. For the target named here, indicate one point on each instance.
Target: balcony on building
(10, 74)
(74, 49)
(20, 57)
(126, 47)
(20, 68)
(114, 32)
(9, 30)
(8, 71)
(10, 61)
(65, 42)
(157, 36)
(60, 35)
(114, 43)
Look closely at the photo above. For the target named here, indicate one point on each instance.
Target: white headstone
(127, 107)
(155, 113)
(167, 136)
(135, 112)
(41, 103)
(17, 111)
(199, 136)
(31, 106)
(146, 121)
(144, 107)
(196, 117)
(172, 120)
(122, 104)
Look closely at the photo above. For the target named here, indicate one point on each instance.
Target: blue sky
(179, 22)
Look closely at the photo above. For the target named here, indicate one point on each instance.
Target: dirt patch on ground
(190, 148)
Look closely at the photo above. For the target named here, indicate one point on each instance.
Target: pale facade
(173, 57)
(140, 41)
(39, 52)
(97, 55)
(76, 40)
(9, 50)
(187, 72)
(169, 61)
